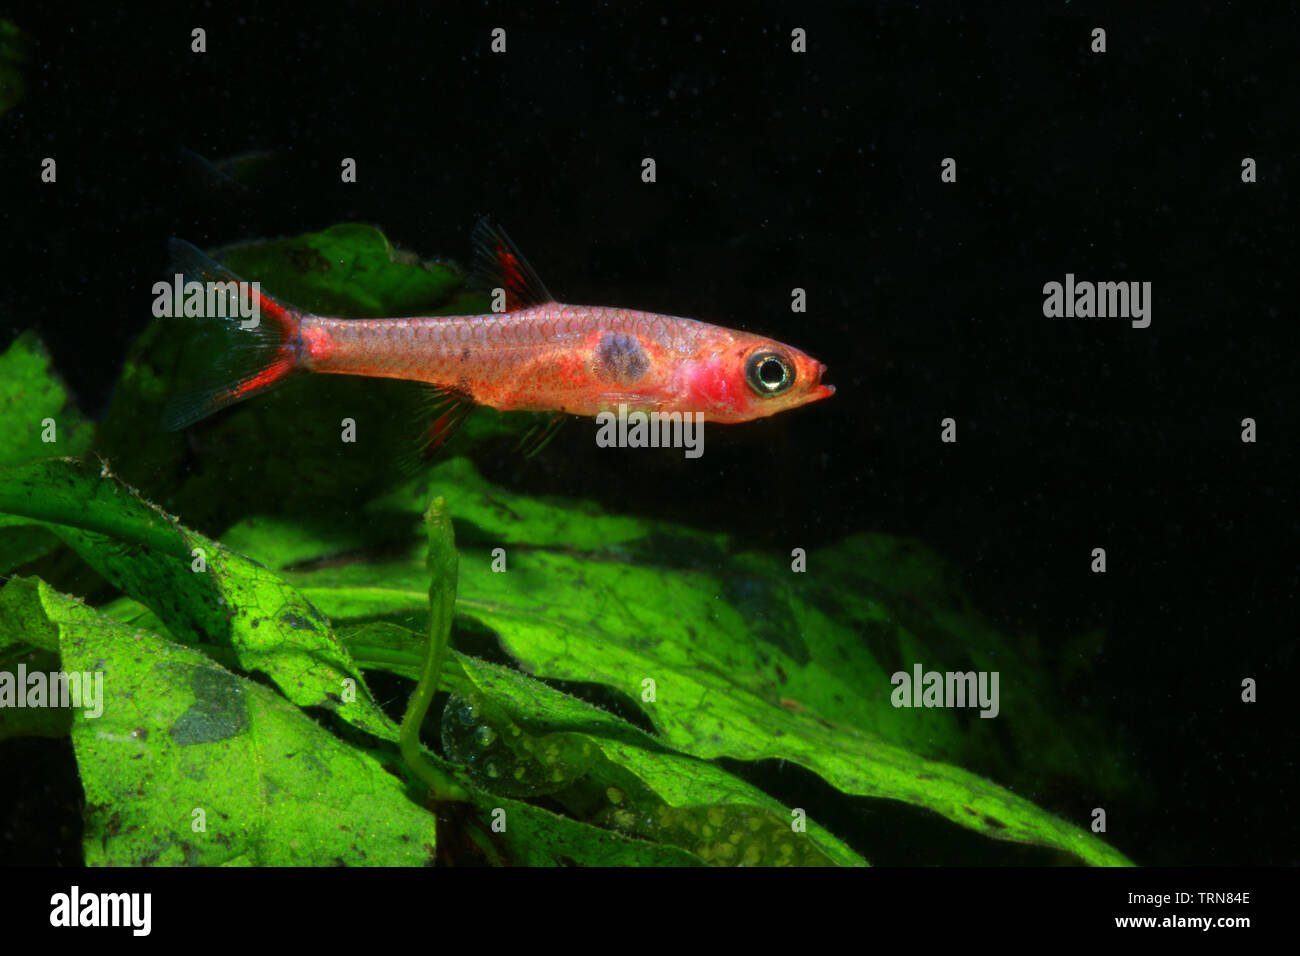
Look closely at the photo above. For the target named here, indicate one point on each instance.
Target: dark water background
(821, 171)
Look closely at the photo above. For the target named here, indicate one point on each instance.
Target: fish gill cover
(629, 691)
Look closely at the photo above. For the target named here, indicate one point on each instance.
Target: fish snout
(822, 391)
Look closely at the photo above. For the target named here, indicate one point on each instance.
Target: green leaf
(14, 54)
(29, 644)
(485, 513)
(349, 270)
(181, 740)
(202, 591)
(709, 699)
(22, 544)
(37, 415)
(534, 836)
(519, 736)
(745, 661)
(23, 620)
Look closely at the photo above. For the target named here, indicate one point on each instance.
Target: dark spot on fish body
(620, 359)
(219, 710)
(464, 355)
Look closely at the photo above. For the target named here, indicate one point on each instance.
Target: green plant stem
(443, 568)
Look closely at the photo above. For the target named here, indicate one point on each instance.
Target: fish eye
(769, 373)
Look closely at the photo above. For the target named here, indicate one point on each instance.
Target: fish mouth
(819, 390)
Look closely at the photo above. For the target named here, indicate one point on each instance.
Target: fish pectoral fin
(498, 264)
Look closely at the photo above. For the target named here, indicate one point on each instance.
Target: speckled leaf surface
(191, 764)
(741, 662)
(200, 590)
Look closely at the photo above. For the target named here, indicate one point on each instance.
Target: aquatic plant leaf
(191, 764)
(38, 417)
(928, 619)
(485, 513)
(535, 836)
(745, 661)
(537, 739)
(15, 52)
(706, 701)
(201, 590)
(516, 736)
(349, 270)
(34, 406)
(27, 640)
(49, 721)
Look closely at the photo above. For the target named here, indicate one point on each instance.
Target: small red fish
(539, 355)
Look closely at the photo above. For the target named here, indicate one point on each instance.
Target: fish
(536, 355)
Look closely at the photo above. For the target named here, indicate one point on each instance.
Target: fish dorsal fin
(500, 265)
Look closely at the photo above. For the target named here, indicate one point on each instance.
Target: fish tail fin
(251, 354)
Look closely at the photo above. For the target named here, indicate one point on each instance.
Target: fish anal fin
(540, 435)
(500, 265)
(443, 412)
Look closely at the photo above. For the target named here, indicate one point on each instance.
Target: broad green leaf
(191, 764)
(877, 605)
(24, 721)
(518, 737)
(29, 644)
(38, 418)
(525, 738)
(709, 701)
(745, 661)
(534, 836)
(485, 513)
(23, 620)
(201, 590)
(21, 544)
(351, 270)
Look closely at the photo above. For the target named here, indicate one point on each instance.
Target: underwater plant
(326, 674)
